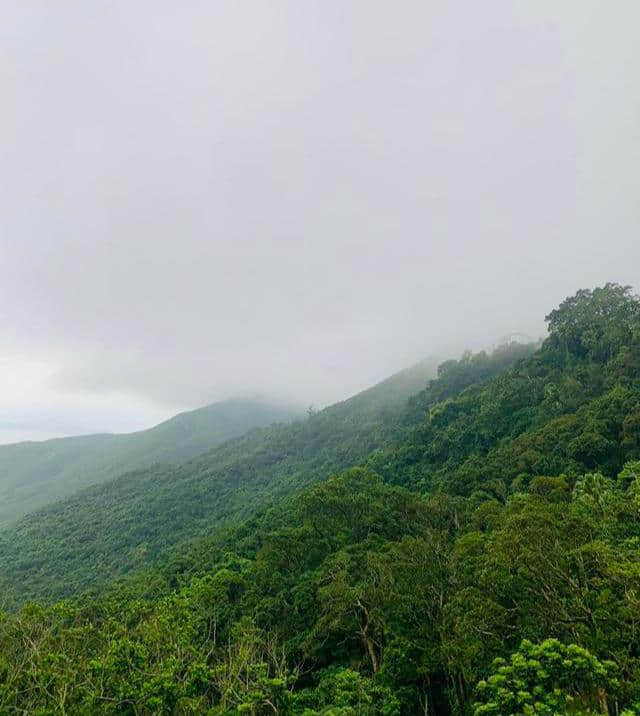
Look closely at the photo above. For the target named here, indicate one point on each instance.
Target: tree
(548, 678)
(345, 692)
(596, 323)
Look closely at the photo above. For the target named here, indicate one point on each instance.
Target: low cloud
(205, 200)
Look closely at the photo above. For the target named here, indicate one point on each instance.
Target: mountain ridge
(33, 474)
(127, 523)
(478, 555)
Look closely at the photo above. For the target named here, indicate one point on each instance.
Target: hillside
(125, 524)
(33, 474)
(482, 559)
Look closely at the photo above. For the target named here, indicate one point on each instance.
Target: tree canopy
(471, 551)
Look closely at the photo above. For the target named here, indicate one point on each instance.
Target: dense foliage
(125, 524)
(33, 474)
(483, 559)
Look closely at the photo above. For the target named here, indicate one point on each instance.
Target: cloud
(204, 199)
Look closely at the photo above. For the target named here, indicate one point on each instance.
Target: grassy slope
(35, 474)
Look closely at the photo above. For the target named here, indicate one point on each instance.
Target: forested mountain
(125, 524)
(479, 556)
(33, 474)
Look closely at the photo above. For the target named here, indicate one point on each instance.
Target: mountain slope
(35, 474)
(123, 525)
(488, 566)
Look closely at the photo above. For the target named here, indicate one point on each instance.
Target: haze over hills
(211, 200)
(33, 474)
(128, 523)
(405, 551)
(125, 523)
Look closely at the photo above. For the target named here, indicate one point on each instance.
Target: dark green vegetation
(483, 558)
(35, 474)
(119, 526)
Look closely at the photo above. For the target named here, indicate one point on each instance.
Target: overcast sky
(204, 199)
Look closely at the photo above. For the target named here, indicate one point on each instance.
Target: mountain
(128, 523)
(482, 558)
(36, 474)
(479, 555)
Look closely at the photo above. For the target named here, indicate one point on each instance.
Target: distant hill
(34, 474)
(127, 524)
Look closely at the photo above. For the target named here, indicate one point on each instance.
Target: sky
(295, 199)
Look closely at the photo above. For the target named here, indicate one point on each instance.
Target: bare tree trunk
(372, 652)
(426, 704)
(602, 696)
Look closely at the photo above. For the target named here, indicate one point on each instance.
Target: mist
(203, 200)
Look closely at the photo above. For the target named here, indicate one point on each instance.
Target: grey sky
(201, 199)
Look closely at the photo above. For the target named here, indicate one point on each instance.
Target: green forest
(461, 545)
(33, 474)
